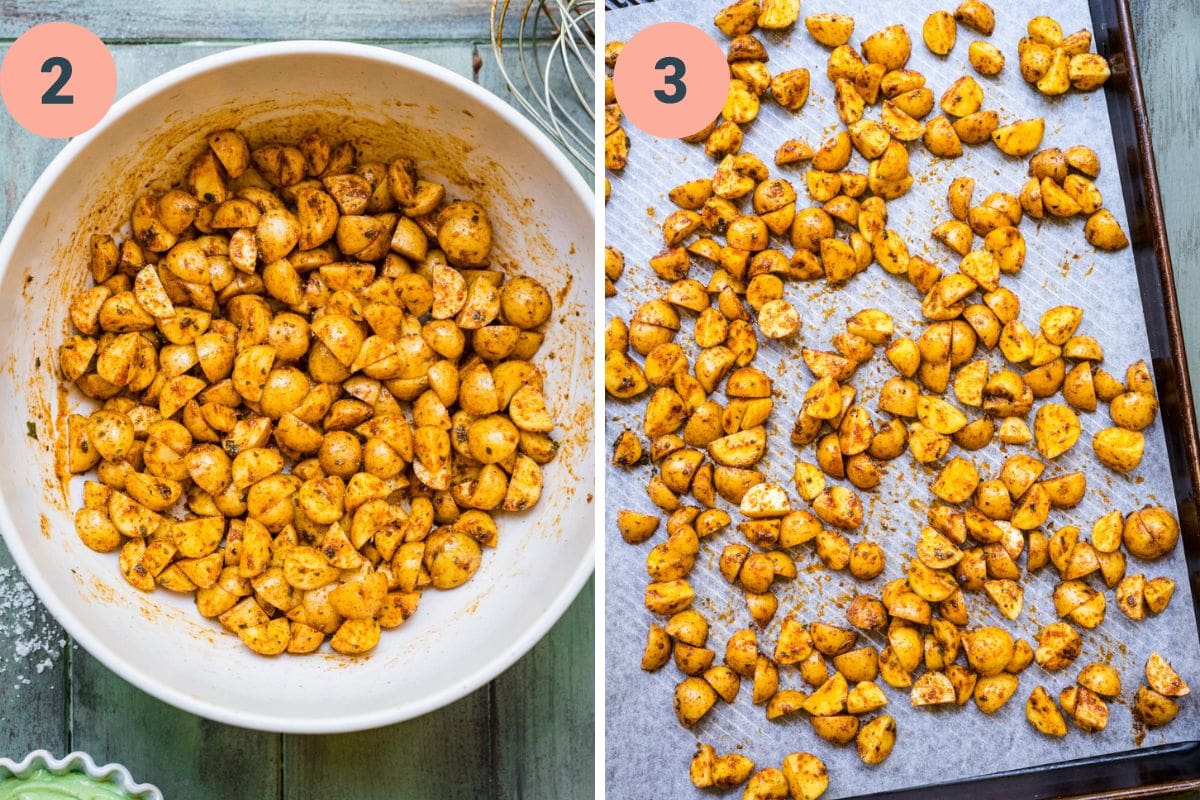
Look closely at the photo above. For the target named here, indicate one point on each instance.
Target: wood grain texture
(33, 700)
(444, 755)
(543, 715)
(236, 20)
(184, 755)
(1165, 34)
(29, 155)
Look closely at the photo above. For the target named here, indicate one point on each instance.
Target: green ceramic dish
(41, 776)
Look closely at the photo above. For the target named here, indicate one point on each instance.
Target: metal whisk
(545, 49)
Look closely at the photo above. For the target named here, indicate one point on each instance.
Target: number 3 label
(58, 80)
(674, 79)
(671, 79)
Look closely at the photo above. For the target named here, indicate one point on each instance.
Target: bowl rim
(485, 672)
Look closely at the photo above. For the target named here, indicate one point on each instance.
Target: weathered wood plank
(34, 665)
(34, 668)
(184, 755)
(188, 20)
(28, 155)
(544, 713)
(444, 755)
(1171, 78)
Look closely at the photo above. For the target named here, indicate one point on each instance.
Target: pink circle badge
(671, 79)
(58, 80)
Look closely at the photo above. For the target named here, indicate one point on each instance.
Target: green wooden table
(529, 734)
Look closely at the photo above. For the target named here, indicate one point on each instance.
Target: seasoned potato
(1043, 713)
(701, 770)
(964, 96)
(356, 636)
(731, 770)
(1133, 411)
(1101, 679)
(96, 530)
(1154, 708)
(1119, 449)
(1088, 71)
(275, 346)
(1103, 231)
(669, 597)
(465, 234)
(837, 729)
(1163, 679)
(1020, 138)
(524, 302)
(986, 58)
(931, 689)
(989, 649)
(831, 30)
(693, 699)
(806, 776)
(993, 691)
(778, 14)
(1157, 593)
(767, 784)
(957, 481)
(876, 739)
(866, 560)
(890, 47)
(1150, 532)
(976, 15)
(1056, 429)
(939, 32)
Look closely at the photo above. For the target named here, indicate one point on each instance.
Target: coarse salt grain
(35, 641)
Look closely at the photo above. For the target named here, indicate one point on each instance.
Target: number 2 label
(51, 96)
(58, 80)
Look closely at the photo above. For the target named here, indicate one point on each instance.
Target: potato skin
(986, 58)
(806, 775)
(451, 557)
(1150, 532)
(524, 302)
(1153, 708)
(989, 649)
(1043, 714)
(693, 698)
(939, 32)
(831, 30)
(876, 739)
(465, 234)
(1119, 449)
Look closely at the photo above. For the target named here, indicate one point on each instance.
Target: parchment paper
(647, 750)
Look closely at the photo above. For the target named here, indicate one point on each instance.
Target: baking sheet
(647, 750)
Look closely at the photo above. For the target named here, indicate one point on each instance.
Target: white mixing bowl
(389, 104)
